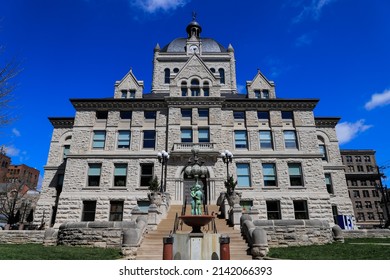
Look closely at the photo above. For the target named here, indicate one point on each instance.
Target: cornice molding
(271, 104)
(110, 104)
(58, 122)
(326, 121)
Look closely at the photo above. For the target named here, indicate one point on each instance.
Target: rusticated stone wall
(21, 236)
(367, 233)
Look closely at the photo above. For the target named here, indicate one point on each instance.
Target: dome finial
(194, 28)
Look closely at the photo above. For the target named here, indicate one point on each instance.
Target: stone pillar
(235, 216)
(224, 251)
(260, 243)
(153, 216)
(168, 248)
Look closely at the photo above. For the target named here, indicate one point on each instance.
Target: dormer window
(123, 93)
(265, 94)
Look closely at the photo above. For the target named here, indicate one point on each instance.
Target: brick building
(363, 179)
(286, 160)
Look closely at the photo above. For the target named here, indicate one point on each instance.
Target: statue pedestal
(196, 246)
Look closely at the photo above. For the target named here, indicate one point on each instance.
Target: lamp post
(163, 157)
(227, 158)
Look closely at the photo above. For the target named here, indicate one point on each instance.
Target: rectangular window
(360, 168)
(323, 152)
(66, 152)
(206, 91)
(116, 211)
(132, 93)
(375, 193)
(370, 168)
(358, 205)
(203, 112)
(335, 213)
(150, 115)
(240, 139)
(265, 139)
(257, 93)
(101, 115)
(204, 135)
(300, 209)
(243, 175)
(269, 173)
(290, 139)
(348, 158)
(89, 210)
(120, 174)
(94, 174)
(146, 174)
(287, 115)
(126, 115)
(60, 180)
(263, 115)
(328, 182)
(123, 94)
(246, 205)
(367, 159)
(239, 115)
(295, 173)
(358, 158)
(265, 94)
(356, 193)
(99, 139)
(186, 135)
(273, 210)
(360, 217)
(186, 113)
(124, 139)
(371, 216)
(363, 183)
(149, 139)
(143, 205)
(368, 204)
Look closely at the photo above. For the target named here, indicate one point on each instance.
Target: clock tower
(194, 44)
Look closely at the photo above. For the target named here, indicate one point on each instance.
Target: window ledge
(91, 188)
(118, 188)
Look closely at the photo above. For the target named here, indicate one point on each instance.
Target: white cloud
(11, 151)
(378, 100)
(16, 132)
(303, 40)
(312, 10)
(151, 6)
(347, 131)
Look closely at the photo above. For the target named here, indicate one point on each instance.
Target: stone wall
(367, 233)
(21, 236)
(284, 233)
(101, 234)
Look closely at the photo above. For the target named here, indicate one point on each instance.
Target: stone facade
(192, 104)
(21, 236)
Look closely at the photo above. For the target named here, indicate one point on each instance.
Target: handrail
(176, 224)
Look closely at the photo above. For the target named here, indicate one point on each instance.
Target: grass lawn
(40, 252)
(352, 249)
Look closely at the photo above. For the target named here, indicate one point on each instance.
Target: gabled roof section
(261, 83)
(127, 84)
(195, 67)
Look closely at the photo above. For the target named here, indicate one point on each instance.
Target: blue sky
(334, 50)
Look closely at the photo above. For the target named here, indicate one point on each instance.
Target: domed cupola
(193, 28)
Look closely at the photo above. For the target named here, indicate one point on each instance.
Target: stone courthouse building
(287, 161)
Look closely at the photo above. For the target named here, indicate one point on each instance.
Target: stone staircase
(152, 244)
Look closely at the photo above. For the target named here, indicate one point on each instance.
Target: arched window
(184, 89)
(167, 74)
(221, 75)
(212, 70)
(195, 90)
(206, 89)
(322, 146)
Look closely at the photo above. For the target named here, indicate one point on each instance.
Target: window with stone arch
(322, 148)
(221, 72)
(195, 88)
(184, 88)
(66, 147)
(167, 74)
(206, 88)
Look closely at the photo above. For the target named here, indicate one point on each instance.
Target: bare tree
(7, 86)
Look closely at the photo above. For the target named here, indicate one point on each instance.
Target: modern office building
(287, 161)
